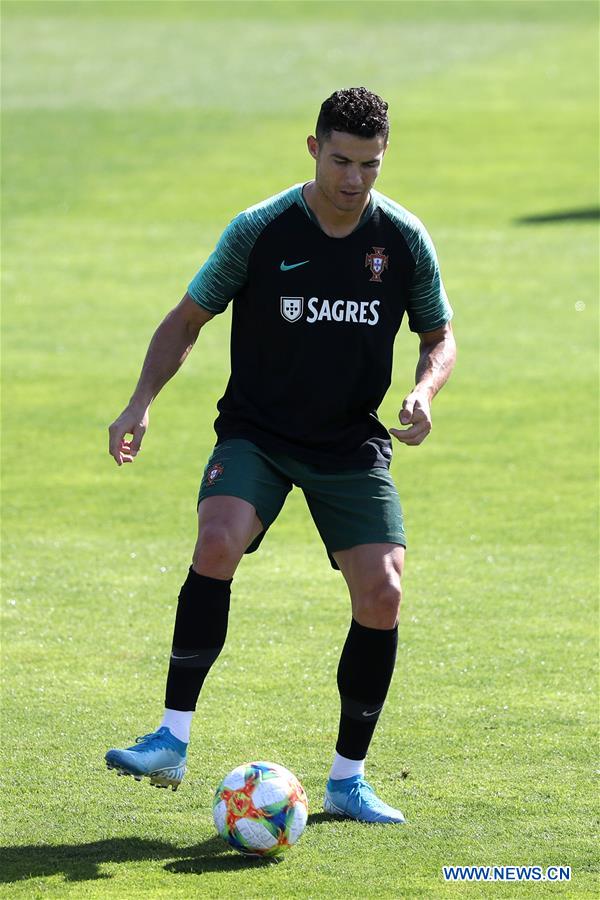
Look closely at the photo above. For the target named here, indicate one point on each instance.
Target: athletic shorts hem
(361, 543)
(266, 518)
(349, 508)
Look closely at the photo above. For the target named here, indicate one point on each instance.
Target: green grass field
(132, 132)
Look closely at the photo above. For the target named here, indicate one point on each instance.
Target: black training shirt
(314, 322)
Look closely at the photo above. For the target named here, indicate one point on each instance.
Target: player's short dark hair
(355, 111)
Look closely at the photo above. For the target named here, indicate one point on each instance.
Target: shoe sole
(161, 778)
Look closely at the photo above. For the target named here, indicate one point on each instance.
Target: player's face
(347, 167)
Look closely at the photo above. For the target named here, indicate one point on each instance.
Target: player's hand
(416, 413)
(130, 422)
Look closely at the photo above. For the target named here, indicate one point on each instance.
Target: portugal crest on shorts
(291, 308)
(377, 261)
(215, 471)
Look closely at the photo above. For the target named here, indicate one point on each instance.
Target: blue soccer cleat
(354, 798)
(159, 756)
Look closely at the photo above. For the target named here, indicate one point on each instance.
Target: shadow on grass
(198, 864)
(208, 862)
(81, 862)
(588, 214)
(317, 818)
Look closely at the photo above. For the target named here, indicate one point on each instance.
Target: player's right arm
(168, 349)
(208, 294)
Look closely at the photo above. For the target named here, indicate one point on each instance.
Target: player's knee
(380, 606)
(387, 602)
(217, 551)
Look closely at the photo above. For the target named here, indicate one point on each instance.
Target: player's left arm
(437, 355)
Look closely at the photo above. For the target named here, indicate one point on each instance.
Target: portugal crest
(377, 261)
(215, 471)
(291, 308)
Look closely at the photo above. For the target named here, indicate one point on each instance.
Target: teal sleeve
(224, 272)
(427, 307)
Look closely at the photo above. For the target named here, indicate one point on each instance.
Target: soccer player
(320, 277)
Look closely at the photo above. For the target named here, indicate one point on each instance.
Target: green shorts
(349, 508)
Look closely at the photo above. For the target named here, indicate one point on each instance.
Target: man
(320, 277)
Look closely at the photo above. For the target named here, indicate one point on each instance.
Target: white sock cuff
(343, 767)
(179, 723)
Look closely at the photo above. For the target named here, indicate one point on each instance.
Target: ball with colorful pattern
(260, 809)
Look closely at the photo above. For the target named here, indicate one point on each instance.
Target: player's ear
(313, 146)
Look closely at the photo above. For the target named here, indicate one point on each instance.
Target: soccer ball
(260, 809)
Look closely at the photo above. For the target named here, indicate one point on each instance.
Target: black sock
(198, 637)
(363, 677)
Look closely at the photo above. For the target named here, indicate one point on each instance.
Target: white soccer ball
(260, 809)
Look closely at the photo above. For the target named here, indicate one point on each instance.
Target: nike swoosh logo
(285, 268)
(184, 657)
(373, 713)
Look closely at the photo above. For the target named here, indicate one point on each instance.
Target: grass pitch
(132, 132)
